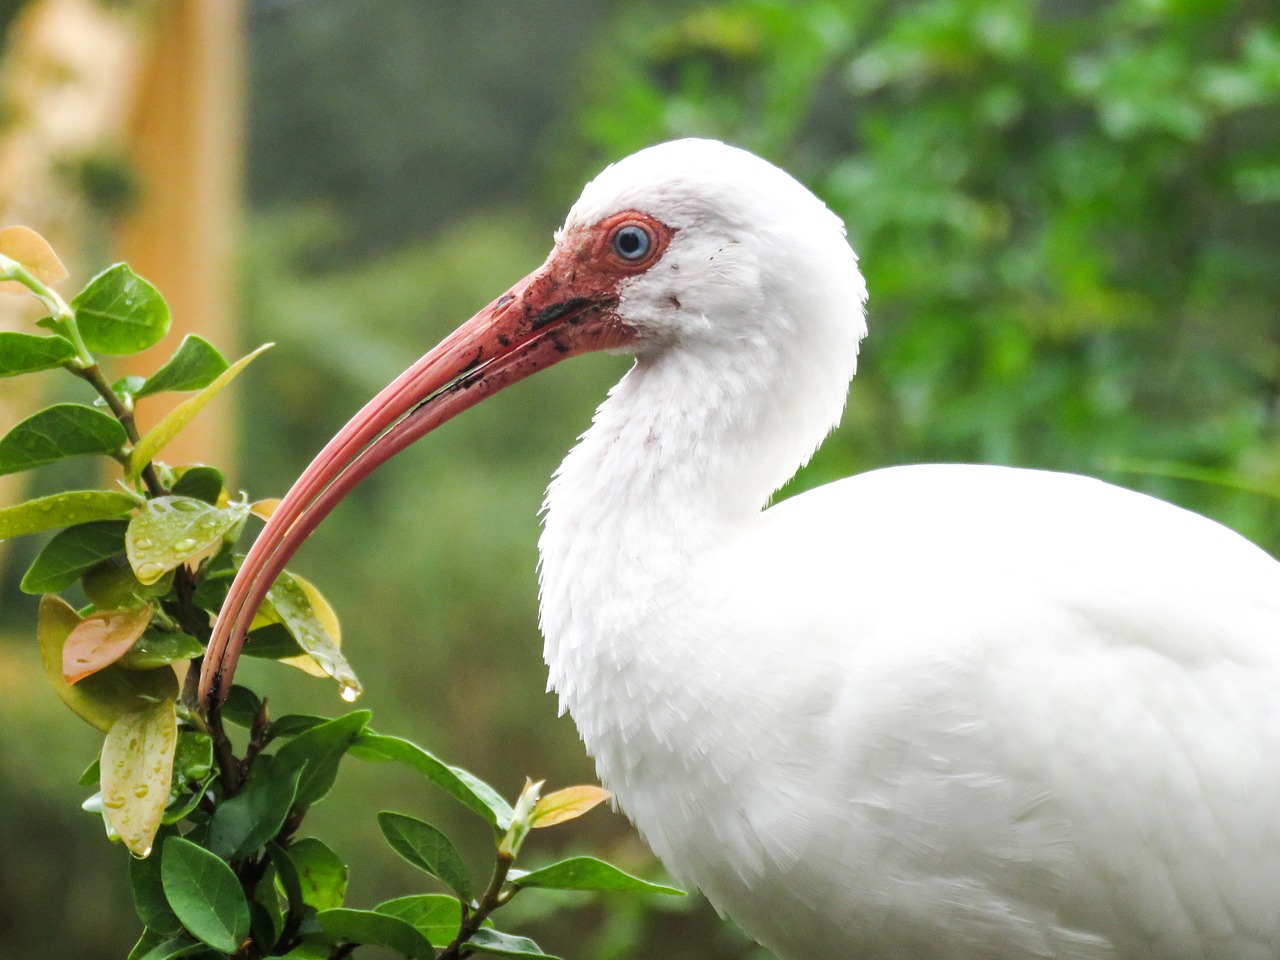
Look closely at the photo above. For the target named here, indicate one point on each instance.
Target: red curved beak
(548, 316)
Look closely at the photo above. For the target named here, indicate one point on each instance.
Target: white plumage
(933, 711)
(926, 712)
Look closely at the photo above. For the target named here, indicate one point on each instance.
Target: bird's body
(926, 712)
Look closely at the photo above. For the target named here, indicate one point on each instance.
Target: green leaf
(436, 916)
(92, 774)
(203, 483)
(111, 585)
(119, 312)
(27, 353)
(379, 929)
(63, 510)
(137, 768)
(467, 789)
(248, 820)
(320, 750)
(311, 621)
(71, 553)
(506, 945)
(148, 890)
(172, 949)
(194, 365)
(427, 849)
(149, 940)
(158, 647)
(101, 698)
(241, 706)
(169, 427)
(322, 876)
(292, 724)
(204, 893)
(588, 873)
(193, 759)
(58, 432)
(169, 531)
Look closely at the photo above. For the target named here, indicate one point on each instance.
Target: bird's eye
(632, 242)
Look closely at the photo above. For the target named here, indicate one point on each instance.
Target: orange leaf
(33, 252)
(567, 804)
(100, 640)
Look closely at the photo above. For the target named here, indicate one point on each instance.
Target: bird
(958, 711)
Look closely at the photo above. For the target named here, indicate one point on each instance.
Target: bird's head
(691, 245)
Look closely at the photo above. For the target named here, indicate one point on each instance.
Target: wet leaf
(158, 648)
(588, 873)
(466, 788)
(158, 436)
(120, 313)
(366, 926)
(241, 706)
(306, 614)
(171, 949)
(99, 699)
(205, 894)
(33, 252)
(58, 432)
(194, 365)
(63, 510)
(101, 639)
(28, 353)
(168, 531)
(567, 804)
(71, 553)
(435, 915)
(427, 849)
(137, 767)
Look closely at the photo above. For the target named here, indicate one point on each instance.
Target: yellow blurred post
(185, 145)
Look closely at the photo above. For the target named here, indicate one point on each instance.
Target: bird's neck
(680, 458)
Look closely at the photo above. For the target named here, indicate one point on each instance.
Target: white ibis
(926, 712)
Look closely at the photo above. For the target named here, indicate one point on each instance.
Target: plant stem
(92, 374)
(473, 920)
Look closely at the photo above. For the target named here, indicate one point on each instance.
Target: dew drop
(141, 790)
(46, 507)
(143, 543)
(183, 545)
(113, 802)
(349, 694)
(150, 569)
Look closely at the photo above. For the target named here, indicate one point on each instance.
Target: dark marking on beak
(553, 312)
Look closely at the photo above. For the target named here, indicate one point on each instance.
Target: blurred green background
(1069, 218)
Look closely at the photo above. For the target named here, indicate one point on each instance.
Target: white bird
(933, 711)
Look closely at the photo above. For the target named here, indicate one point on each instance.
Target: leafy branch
(222, 867)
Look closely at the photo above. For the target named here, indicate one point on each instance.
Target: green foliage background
(1068, 214)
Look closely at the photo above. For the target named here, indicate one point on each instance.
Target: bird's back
(1009, 714)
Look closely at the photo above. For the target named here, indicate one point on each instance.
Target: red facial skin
(567, 306)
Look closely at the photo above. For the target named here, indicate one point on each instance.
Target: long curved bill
(542, 320)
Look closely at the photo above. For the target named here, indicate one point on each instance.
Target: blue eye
(632, 242)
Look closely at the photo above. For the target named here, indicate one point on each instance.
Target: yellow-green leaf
(99, 699)
(33, 252)
(567, 804)
(307, 615)
(100, 640)
(63, 510)
(137, 765)
(177, 418)
(168, 531)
